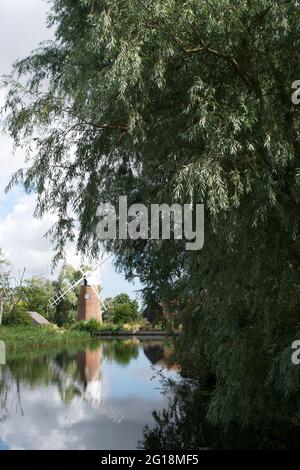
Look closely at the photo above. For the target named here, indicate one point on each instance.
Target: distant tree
(4, 282)
(122, 309)
(11, 289)
(37, 293)
(66, 311)
(17, 316)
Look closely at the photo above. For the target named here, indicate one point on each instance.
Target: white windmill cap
(92, 278)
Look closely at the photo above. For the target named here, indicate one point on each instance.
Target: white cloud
(22, 28)
(21, 237)
(23, 241)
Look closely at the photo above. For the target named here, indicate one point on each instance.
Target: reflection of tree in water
(11, 382)
(248, 396)
(76, 373)
(158, 352)
(63, 369)
(66, 376)
(154, 351)
(3, 393)
(184, 423)
(121, 351)
(181, 425)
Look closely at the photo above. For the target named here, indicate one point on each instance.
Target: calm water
(98, 398)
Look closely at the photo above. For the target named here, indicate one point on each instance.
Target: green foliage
(140, 324)
(92, 326)
(123, 313)
(184, 425)
(121, 309)
(4, 283)
(18, 316)
(37, 293)
(66, 311)
(121, 351)
(189, 102)
(22, 338)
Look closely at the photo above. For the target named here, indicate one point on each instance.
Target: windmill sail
(87, 275)
(57, 298)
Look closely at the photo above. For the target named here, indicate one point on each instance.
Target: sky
(22, 28)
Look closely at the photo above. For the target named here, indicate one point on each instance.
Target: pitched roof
(37, 318)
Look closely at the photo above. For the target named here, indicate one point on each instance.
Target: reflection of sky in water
(3, 445)
(40, 419)
(141, 383)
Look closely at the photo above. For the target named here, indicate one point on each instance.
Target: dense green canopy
(187, 101)
(122, 309)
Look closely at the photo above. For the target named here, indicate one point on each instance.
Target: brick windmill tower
(90, 303)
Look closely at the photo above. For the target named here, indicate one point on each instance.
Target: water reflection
(183, 424)
(159, 353)
(89, 367)
(98, 398)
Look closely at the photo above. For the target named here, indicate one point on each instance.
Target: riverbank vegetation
(30, 338)
(17, 298)
(95, 328)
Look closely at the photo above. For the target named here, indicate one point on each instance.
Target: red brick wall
(89, 307)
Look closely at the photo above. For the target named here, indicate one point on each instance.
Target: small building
(38, 319)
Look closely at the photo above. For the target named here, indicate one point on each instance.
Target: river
(100, 397)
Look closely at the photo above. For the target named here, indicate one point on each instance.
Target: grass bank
(28, 338)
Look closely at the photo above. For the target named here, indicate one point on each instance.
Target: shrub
(92, 326)
(19, 316)
(139, 325)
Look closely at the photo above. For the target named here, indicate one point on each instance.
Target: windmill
(90, 302)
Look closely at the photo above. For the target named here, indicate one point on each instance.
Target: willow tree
(167, 101)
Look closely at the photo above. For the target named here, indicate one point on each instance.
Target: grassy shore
(27, 338)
